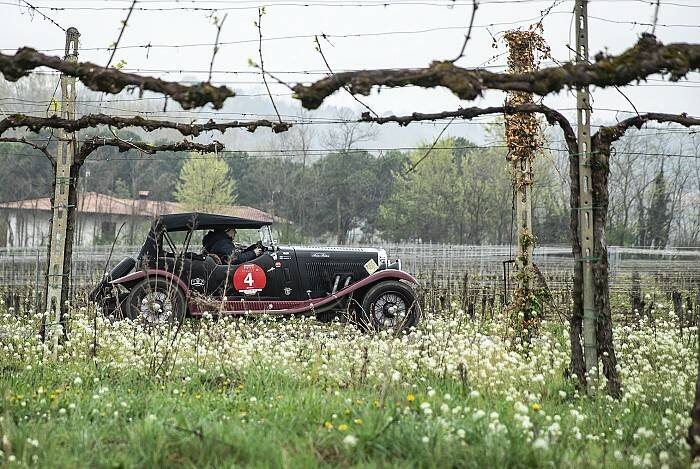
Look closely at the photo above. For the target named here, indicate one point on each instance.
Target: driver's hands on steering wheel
(257, 247)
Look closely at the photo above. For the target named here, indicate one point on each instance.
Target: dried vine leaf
(521, 130)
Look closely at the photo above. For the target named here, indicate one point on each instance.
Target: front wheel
(389, 305)
(156, 301)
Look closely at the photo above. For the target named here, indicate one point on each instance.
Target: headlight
(383, 258)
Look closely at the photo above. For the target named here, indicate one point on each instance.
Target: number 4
(248, 280)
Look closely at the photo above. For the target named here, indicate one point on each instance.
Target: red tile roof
(94, 202)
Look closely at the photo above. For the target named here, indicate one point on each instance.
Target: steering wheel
(258, 244)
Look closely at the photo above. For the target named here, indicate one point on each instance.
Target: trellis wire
(442, 265)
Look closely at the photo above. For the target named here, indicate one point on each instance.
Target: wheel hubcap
(390, 310)
(156, 307)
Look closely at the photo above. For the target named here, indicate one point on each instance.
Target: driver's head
(231, 232)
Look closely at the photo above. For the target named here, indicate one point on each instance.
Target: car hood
(334, 249)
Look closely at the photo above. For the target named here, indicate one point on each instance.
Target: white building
(25, 223)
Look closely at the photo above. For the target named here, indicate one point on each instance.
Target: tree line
(460, 193)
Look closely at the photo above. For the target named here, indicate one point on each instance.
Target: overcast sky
(397, 35)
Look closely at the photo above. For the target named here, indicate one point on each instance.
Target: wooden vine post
(586, 207)
(523, 139)
(58, 271)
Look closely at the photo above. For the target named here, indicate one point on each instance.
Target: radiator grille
(322, 275)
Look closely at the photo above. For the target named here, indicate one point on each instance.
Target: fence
(436, 265)
(442, 264)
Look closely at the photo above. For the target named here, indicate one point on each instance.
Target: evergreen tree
(205, 183)
(658, 215)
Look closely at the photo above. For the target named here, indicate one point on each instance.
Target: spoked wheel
(389, 305)
(156, 301)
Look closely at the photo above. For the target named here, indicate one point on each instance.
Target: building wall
(30, 228)
(85, 233)
(26, 228)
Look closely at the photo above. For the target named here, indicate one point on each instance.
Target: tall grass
(296, 393)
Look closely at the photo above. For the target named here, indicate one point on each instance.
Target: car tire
(389, 305)
(156, 301)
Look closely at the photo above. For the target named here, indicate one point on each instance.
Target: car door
(272, 276)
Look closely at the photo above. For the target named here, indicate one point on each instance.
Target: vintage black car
(169, 280)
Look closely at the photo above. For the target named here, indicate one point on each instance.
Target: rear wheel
(156, 301)
(389, 305)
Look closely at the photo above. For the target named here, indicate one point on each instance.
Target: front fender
(376, 277)
(140, 274)
(386, 274)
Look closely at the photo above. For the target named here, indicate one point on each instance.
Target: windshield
(266, 236)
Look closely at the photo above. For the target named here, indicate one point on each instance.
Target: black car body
(165, 282)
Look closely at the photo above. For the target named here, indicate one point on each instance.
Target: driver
(220, 242)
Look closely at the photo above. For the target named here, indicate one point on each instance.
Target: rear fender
(134, 277)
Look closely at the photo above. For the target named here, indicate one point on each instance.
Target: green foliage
(121, 189)
(550, 204)
(354, 182)
(26, 173)
(205, 183)
(335, 194)
(264, 184)
(120, 65)
(455, 195)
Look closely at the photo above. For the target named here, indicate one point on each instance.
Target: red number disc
(249, 279)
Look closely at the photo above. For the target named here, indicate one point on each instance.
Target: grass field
(299, 393)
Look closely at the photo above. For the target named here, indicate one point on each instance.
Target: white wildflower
(540, 443)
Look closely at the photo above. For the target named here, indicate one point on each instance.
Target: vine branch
(475, 6)
(121, 33)
(111, 80)
(261, 11)
(219, 25)
(330, 70)
(609, 134)
(553, 117)
(96, 142)
(41, 148)
(35, 124)
(645, 58)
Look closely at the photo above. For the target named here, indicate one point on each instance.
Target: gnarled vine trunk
(601, 291)
(694, 430)
(578, 366)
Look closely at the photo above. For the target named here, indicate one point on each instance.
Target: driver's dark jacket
(217, 242)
